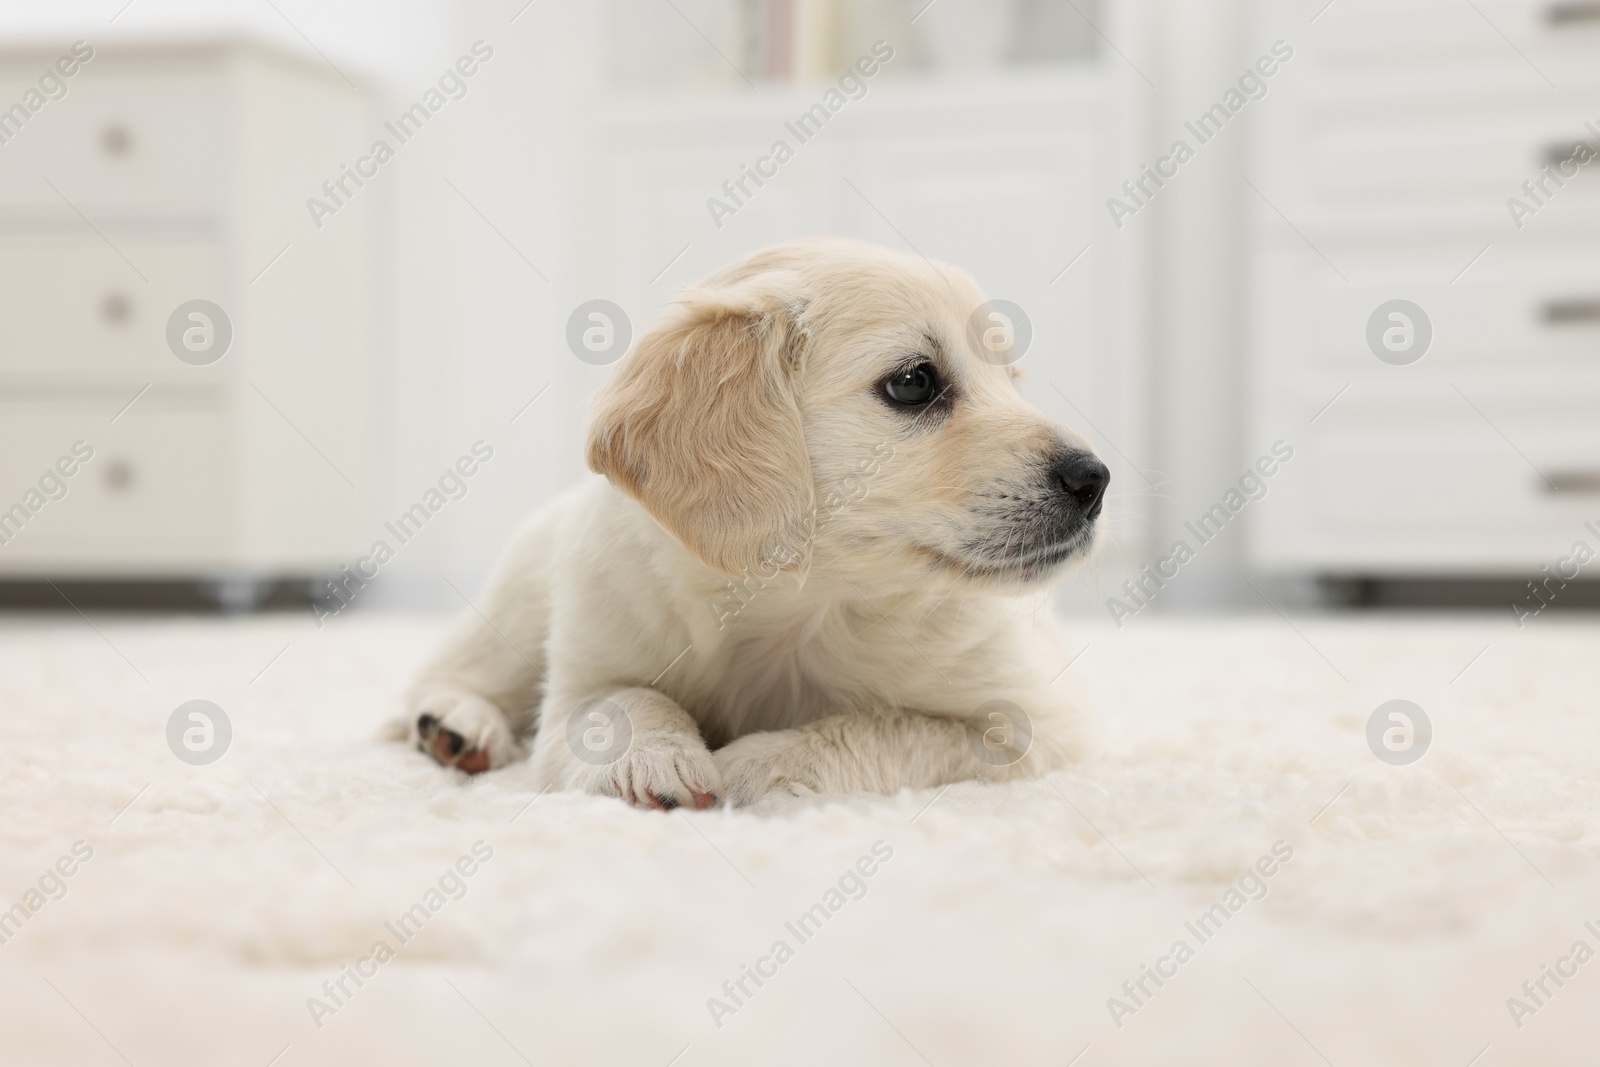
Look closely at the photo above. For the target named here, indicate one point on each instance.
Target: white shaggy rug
(995, 925)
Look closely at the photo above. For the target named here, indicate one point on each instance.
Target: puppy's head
(825, 405)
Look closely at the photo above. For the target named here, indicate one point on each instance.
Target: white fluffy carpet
(223, 897)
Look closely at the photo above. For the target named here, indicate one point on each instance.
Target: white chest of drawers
(1384, 165)
(166, 175)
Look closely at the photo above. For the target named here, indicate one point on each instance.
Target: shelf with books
(704, 44)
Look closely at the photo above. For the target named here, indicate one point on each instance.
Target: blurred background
(1360, 234)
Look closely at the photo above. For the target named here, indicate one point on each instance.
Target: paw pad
(448, 747)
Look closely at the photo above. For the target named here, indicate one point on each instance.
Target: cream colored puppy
(805, 568)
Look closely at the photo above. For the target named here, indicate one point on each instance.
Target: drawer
(1401, 167)
(1428, 156)
(127, 136)
(1532, 310)
(71, 307)
(1561, 38)
(1434, 489)
(1411, 472)
(155, 494)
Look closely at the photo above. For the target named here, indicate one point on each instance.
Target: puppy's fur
(786, 580)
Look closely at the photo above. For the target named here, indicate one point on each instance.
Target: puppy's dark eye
(913, 387)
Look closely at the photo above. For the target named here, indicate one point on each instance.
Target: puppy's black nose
(1084, 478)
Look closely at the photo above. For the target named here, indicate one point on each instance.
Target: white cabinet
(165, 175)
(1384, 166)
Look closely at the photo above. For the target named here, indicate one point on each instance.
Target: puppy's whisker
(1130, 514)
(1143, 493)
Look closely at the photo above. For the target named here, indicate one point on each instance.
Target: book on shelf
(792, 40)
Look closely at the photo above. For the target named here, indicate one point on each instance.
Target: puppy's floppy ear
(700, 424)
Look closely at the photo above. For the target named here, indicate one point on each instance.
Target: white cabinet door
(656, 173)
(156, 495)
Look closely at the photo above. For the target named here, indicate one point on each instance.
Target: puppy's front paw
(662, 771)
(463, 731)
(762, 763)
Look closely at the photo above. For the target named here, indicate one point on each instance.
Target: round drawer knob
(116, 308)
(118, 475)
(115, 140)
